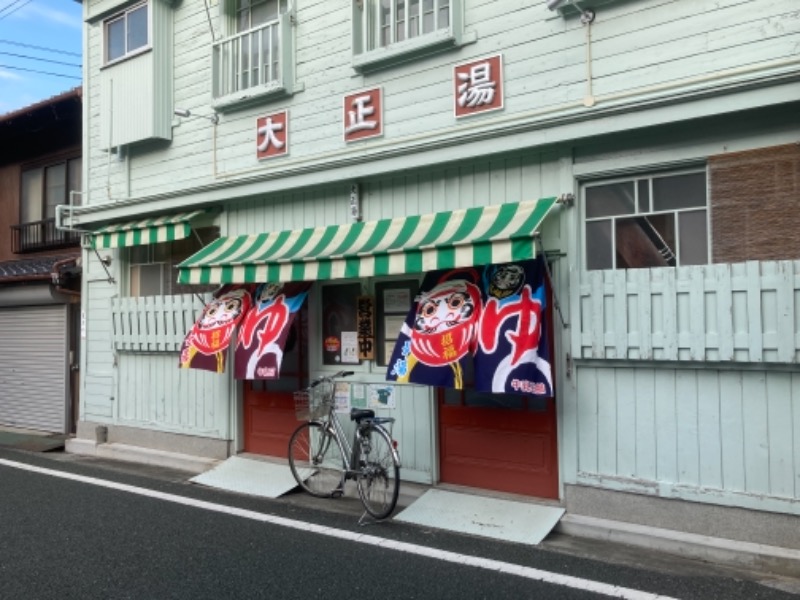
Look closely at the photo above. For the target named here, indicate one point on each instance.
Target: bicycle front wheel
(378, 473)
(316, 460)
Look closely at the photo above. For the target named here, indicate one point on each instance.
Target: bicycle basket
(313, 403)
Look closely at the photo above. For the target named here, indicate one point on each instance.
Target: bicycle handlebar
(319, 380)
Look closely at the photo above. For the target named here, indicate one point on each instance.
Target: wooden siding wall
(641, 51)
(160, 396)
(154, 392)
(743, 312)
(476, 183)
(727, 436)
(98, 375)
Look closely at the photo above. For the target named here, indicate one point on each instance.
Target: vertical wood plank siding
(728, 437)
(160, 396)
(745, 312)
(155, 323)
(645, 50)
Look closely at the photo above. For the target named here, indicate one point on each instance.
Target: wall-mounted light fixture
(587, 14)
(186, 113)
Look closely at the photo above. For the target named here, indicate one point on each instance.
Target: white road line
(443, 555)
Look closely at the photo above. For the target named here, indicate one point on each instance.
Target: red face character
(445, 323)
(213, 331)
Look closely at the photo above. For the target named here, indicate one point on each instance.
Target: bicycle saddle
(357, 414)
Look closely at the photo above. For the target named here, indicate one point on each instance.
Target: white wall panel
(725, 436)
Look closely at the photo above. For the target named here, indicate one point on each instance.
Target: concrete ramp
(249, 476)
(507, 520)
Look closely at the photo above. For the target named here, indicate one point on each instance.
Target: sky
(37, 38)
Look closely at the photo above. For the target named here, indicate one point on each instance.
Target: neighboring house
(668, 130)
(40, 165)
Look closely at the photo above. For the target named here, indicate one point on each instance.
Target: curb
(760, 557)
(125, 452)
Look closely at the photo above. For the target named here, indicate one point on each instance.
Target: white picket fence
(744, 312)
(153, 323)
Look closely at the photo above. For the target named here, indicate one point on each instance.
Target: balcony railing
(41, 235)
(249, 59)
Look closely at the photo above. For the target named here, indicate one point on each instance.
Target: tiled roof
(34, 268)
(25, 110)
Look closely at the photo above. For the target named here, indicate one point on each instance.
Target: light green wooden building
(668, 129)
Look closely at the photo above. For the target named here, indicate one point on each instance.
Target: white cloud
(53, 15)
(9, 75)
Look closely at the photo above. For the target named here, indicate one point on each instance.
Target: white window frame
(154, 261)
(369, 54)
(276, 79)
(40, 205)
(141, 271)
(635, 179)
(165, 256)
(123, 15)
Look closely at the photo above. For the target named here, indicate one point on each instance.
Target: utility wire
(48, 60)
(15, 9)
(40, 72)
(53, 50)
(9, 5)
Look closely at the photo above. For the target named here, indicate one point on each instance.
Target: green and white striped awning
(416, 244)
(146, 231)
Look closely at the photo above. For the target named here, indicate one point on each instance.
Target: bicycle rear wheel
(316, 460)
(379, 473)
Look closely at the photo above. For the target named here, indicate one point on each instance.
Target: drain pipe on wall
(587, 18)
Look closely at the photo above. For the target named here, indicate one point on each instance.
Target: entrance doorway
(499, 442)
(503, 442)
(269, 415)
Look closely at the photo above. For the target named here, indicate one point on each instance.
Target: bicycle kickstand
(363, 520)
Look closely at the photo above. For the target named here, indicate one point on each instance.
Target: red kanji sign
(363, 115)
(272, 135)
(478, 86)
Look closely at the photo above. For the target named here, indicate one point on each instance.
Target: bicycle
(322, 459)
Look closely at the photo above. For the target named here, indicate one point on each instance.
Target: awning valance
(415, 244)
(146, 231)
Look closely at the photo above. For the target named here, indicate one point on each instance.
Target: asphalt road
(147, 533)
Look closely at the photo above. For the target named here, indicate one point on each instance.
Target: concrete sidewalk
(771, 560)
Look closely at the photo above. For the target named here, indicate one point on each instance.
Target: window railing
(41, 235)
(249, 59)
(397, 20)
(389, 32)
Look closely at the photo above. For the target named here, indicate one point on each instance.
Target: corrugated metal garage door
(33, 367)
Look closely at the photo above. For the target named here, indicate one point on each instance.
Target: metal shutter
(33, 367)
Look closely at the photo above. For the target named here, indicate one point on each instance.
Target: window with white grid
(389, 31)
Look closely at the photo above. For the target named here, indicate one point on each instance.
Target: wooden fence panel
(747, 312)
(155, 323)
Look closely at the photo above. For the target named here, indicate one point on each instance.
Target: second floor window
(251, 55)
(44, 188)
(126, 33)
(405, 19)
(391, 32)
(658, 221)
(252, 13)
